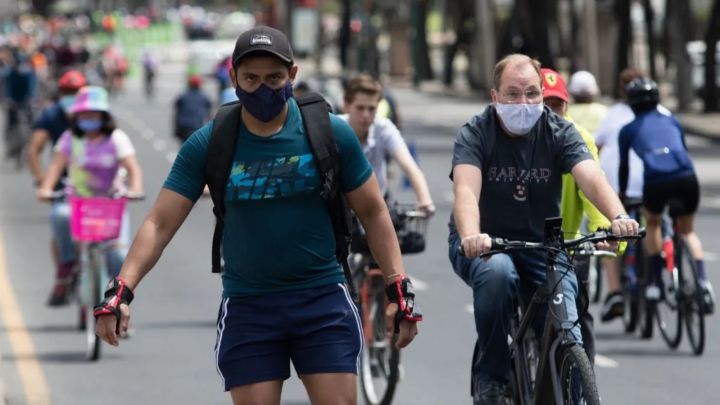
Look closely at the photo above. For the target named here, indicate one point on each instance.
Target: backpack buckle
(327, 189)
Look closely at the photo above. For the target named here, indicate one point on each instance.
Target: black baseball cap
(262, 39)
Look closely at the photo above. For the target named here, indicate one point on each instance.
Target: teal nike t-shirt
(278, 235)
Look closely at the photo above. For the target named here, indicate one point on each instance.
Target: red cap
(554, 85)
(72, 80)
(195, 81)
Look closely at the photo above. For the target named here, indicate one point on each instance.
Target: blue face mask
(265, 103)
(89, 125)
(66, 102)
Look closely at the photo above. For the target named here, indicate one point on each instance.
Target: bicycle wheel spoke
(379, 367)
(577, 378)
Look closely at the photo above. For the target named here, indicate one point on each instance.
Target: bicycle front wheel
(693, 299)
(380, 360)
(577, 379)
(93, 296)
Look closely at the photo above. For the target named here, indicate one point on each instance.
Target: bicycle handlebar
(500, 245)
(60, 194)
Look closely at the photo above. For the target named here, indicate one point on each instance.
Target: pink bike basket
(96, 219)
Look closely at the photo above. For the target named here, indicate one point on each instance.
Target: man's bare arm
(38, 141)
(165, 217)
(369, 206)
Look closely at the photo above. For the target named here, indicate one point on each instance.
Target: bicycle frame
(556, 329)
(93, 278)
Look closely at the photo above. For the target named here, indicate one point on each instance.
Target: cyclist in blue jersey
(669, 179)
(284, 295)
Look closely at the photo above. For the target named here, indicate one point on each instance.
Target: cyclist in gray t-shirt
(381, 139)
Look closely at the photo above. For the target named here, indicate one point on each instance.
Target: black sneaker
(490, 393)
(60, 295)
(613, 307)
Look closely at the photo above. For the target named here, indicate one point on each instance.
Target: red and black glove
(401, 292)
(117, 293)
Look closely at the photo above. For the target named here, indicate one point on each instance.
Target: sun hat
(91, 98)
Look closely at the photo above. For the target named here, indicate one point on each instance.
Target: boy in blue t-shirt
(53, 121)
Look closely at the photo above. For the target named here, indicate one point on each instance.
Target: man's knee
(496, 274)
(263, 393)
(331, 388)
(494, 286)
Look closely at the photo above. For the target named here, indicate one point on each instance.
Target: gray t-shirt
(383, 140)
(521, 176)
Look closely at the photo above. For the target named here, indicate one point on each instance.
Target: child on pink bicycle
(93, 150)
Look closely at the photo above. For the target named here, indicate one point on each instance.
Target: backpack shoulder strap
(314, 110)
(218, 163)
(318, 129)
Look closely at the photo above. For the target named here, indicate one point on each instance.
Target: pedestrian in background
(586, 111)
(192, 109)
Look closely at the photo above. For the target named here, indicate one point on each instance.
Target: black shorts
(682, 195)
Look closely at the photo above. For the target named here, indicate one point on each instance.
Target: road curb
(697, 126)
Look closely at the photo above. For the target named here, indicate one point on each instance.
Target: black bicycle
(555, 368)
(639, 313)
(681, 299)
(380, 368)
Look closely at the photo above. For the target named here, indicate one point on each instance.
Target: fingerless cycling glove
(117, 293)
(401, 292)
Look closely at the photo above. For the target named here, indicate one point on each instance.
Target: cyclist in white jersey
(381, 139)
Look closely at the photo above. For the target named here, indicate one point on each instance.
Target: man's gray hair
(514, 59)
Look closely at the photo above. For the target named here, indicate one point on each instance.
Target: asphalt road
(170, 357)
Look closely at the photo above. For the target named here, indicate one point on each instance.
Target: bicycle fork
(557, 333)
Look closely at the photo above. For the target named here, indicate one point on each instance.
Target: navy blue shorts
(318, 329)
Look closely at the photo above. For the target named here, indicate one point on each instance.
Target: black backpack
(218, 163)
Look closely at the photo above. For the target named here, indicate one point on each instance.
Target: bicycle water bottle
(669, 253)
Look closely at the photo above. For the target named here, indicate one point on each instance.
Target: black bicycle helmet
(642, 94)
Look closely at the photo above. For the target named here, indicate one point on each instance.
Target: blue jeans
(60, 224)
(497, 283)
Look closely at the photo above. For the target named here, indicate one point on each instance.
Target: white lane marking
(419, 284)
(159, 145)
(469, 309)
(171, 156)
(605, 362)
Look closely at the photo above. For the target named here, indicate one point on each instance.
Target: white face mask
(519, 118)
